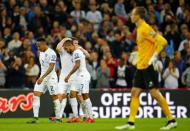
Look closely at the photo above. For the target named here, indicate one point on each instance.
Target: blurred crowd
(103, 28)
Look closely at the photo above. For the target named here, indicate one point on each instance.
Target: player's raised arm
(85, 52)
(76, 43)
(60, 44)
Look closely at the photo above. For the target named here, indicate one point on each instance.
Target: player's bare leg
(74, 106)
(88, 105)
(36, 107)
(155, 93)
(134, 105)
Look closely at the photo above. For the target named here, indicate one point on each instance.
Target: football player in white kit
(47, 80)
(63, 87)
(81, 80)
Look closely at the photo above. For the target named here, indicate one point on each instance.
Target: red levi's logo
(24, 101)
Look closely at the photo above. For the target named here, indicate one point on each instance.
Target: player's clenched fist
(39, 81)
(67, 79)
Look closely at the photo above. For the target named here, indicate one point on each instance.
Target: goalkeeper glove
(133, 58)
(153, 61)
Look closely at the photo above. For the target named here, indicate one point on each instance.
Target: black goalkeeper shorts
(146, 78)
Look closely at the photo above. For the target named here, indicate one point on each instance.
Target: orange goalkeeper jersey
(146, 44)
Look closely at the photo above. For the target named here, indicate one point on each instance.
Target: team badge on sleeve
(76, 56)
(152, 33)
(53, 58)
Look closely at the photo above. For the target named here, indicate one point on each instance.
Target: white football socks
(57, 108)
(88, 107)
(82, 110)
(36, 106)
(74, 106)
(63, 105)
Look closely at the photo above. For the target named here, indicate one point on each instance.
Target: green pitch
(9, 124)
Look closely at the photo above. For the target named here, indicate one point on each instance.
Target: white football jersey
(47, 57)
(66, 63)
(79, 55)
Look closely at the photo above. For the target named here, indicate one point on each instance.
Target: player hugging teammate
(74, 80)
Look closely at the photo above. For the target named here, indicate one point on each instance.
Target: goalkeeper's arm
(160, 42)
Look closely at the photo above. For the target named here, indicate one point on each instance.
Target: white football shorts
(49, 84)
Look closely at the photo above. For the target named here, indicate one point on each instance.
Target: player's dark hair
(41, 39)
(68, 42)
(141, 11)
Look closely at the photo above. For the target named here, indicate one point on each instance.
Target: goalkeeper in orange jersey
(149, 44)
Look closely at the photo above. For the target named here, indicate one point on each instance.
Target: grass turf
(19, 124)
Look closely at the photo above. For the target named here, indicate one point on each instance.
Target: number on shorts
(51, 88)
